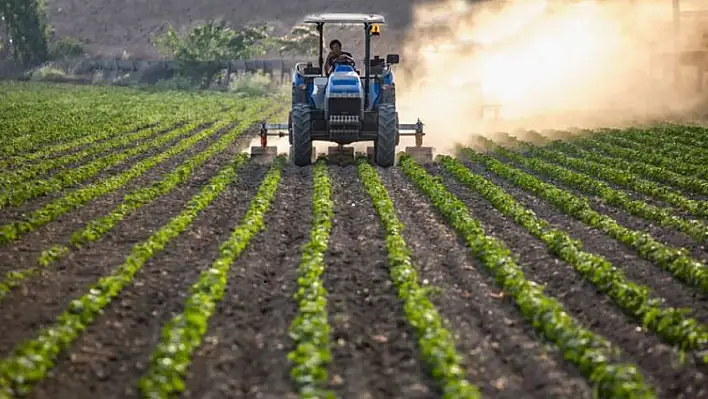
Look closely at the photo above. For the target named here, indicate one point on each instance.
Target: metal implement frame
(404, 129)
(417, 131)
(275, 126)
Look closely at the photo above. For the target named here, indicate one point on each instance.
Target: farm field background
(143, 254)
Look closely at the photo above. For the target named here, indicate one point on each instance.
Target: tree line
(27, 37)
(26, 30)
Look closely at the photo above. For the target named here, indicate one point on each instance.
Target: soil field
(142, 254)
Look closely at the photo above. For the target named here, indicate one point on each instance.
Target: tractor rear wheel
(301, 147)
(385, 146)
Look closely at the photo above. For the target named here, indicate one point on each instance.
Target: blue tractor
(345, 107)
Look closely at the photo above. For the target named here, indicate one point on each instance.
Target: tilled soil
(244, 354)
(667, 235)
(83, 147)
(374, 352)
(636, 268)
(583, 301)
(26, 250)
(115, 350)
(651, 200)
(91, 158)
(17, 213)
(40, 300)
(502, 353)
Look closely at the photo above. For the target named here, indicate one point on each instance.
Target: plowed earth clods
(375, 351)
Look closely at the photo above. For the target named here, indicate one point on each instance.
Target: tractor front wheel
(301, 147)
(385, 146)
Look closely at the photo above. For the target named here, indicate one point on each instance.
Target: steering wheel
(344, 60)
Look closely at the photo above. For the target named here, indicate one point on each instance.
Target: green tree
(27, 29)
(201, 50)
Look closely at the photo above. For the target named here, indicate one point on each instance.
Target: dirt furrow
(635, 268)
(15, 213)
(649, 199)
(685, 192)
(111, 355)
(502, 353)
(78, 148)
(666, 235)
(104, 153)
(40, 300)
(244, 354)
(374, 351)
(24, 252)
(583, 301)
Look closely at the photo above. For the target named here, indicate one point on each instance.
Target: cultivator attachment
(340, 155)
(419, 153)
(264, 152)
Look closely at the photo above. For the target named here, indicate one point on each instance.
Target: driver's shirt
(330, 59)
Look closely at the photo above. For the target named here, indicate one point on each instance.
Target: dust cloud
(546, 64)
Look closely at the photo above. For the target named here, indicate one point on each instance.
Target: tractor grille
(343, 126)
(344, 118)
(344, 106)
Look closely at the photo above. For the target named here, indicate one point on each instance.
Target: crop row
(596, 174)
(30, 361)
(593, 355)
(623, 178)
(679, 166)
(97, 228)
(33, 170)
(85, 115)
(74, 199)
(634, 299)
(690, 135)
(657, 174)
(661, 147)
(598, 359)
(676, 261)
(34, 188)
(590, 185)
(183, 334)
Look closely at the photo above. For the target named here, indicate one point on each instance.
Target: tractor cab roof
(345, 18)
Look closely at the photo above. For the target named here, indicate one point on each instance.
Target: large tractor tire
(385, 145)
(301, 147)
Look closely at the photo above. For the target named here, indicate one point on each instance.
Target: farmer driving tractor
(336, 55)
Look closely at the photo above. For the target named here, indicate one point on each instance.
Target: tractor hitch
(340, 155)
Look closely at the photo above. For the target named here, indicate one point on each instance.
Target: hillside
(109, 27)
